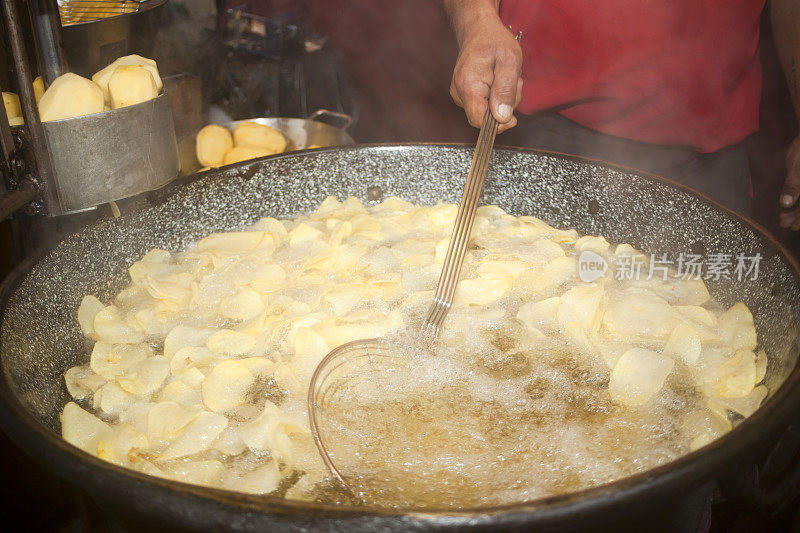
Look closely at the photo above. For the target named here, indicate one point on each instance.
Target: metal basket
(91, 44)
(76, 11)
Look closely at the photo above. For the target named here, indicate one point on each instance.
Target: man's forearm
(465, 13)
(785, 18)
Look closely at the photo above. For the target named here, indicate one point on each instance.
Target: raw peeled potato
(245, 152)
(103, 77)
(70, 96)
(254, 134)
(213, 142)
(13, 108)
(131, 84)
(11, 101)
(215, 145)
(38, 88)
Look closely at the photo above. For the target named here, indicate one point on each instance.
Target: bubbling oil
(457, 426)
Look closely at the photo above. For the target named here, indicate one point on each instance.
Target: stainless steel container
(112, 155)
(300, 133)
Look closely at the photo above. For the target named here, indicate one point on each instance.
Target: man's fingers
(454, 94)
(790, 219)
(474, 105)
(503, 98)
(507, 126)
(470, 90)
(475, 108)
(791, 189)
(513, 122)
(487, 76)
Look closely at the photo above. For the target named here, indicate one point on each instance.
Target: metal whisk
(375, 357)
(456, 250)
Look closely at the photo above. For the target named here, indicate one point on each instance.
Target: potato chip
(683, 344)
(230, 342)
(736, 377)
(197, 436)
(638, 375)
(82, 429)
(88, 309)
(226, 386)
(110, 326)
(736, 328)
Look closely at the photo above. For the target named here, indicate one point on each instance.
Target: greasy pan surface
(40, 337)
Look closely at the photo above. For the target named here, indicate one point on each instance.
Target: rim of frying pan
(167, 499)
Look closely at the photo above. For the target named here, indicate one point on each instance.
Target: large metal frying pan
(40, 338)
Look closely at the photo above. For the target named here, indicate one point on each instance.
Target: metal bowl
(300, 133)
(40, 337)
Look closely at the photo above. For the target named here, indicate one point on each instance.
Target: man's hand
(785, 15)
(489, 63)
(790, 215)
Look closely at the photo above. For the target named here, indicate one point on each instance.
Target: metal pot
(300, 133)
(311, 132)
(40, 337)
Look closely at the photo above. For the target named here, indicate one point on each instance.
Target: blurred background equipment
(96, 32)
(262, 61)
(75, 11)
(220, 63)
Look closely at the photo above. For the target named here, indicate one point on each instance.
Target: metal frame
(47, 33)
(20, 170)
(63, 160)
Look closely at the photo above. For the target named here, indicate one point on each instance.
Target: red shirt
(677, 72)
